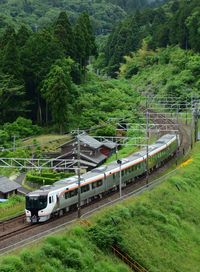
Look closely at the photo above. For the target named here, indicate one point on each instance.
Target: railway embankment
(159, 229)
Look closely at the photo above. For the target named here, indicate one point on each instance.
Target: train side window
(49, 199)
(74, 193)
(99, 183)
(85, 188)
(66, 195)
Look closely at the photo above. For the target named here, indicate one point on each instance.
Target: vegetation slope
(160, 229)
(39, 14)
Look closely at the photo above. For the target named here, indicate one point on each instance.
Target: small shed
(7, 187)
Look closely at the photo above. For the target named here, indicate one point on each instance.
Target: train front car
(39, 205)
(35, 203)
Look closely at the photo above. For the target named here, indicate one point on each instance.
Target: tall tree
(22, 35)
(7, 35)
(56, 91)
(64, 33)
(84, 40)
(11, 62)
(39, 53)
(193, 24)
(12, 94)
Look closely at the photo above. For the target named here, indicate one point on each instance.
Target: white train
(62, 196)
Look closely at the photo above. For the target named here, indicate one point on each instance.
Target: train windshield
(36, 202)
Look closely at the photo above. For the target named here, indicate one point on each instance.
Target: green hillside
(160, 229)
(39, 14)
(175, 23)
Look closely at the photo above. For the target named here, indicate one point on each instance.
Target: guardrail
(134, 265)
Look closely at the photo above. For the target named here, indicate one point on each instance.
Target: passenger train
(62, 196)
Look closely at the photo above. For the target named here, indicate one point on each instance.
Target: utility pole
(14, 142)
(147, 141)
(79, 173)
(196, 119)
(120, 177)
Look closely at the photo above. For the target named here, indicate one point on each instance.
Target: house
(92, 152)
(108, 148)
(7, 187)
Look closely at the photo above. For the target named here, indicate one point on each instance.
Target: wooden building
(92, 152)
(7, 187)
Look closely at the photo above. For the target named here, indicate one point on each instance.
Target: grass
(129, 149)
(160, 229)
(8, 171)
(69, 252)
(14, 206)
(49, 142)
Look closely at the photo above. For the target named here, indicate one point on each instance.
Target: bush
(40, 179)
(47, 177)
(22, 127)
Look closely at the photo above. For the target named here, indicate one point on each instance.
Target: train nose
(34, 219)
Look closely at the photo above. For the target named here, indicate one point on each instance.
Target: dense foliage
(72, 253)
(21, 128)
(38, 70)
(101, 99)
(176, 23)
(169, 72)
(38, 14)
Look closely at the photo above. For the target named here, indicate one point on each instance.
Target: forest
(174, 23)
(38, 14)
(63, 76)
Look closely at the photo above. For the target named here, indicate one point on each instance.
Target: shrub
(22, 127)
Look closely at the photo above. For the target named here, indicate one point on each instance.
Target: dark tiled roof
(90, 141)
(95, 159)
(109, 144)
(7, 186)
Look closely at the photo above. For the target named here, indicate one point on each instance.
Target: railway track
(16, 232)
(12, 219)
(23, 231)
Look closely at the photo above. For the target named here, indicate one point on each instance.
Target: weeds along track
(15, 232)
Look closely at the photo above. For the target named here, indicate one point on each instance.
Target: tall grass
(12, 207)
(68, 253)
